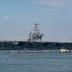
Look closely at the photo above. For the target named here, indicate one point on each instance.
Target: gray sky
(54, 17)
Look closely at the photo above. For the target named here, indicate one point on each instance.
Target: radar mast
(35, 35)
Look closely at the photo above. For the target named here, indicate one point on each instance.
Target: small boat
(64, 50)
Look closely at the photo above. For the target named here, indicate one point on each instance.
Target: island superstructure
(35, 36)
(34, 42)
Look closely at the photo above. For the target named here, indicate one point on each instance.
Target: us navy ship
(34, 43)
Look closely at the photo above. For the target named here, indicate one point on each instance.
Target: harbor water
(35, 61)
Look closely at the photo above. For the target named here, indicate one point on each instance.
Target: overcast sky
(54, 17)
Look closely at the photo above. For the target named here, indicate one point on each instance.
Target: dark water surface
(35, 62)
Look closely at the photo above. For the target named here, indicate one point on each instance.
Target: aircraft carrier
(34, 43)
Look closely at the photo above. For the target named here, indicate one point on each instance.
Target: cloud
(6, 17)
(55, 3)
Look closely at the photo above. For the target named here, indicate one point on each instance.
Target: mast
(35, 36)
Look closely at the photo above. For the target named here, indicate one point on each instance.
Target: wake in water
(29, 51)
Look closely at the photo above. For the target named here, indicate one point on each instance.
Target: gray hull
(25, 45)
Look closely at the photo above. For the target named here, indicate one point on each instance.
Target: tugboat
(63, 50)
